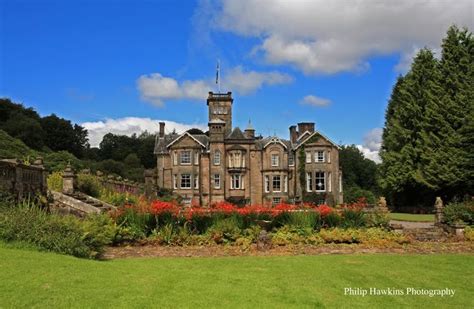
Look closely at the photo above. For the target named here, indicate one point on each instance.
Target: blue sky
(111, 65)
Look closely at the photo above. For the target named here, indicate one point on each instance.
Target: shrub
(353, 194)
(224, 231)
(55, 181)
(51, 232)
(89, 185)
(469, 233)
(352, 218)
(459, 212)
(304, 219)
(331, 220)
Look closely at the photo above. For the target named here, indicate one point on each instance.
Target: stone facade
(228, 164)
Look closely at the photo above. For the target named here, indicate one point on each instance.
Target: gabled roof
(194, 137)
(300, 142)
(275, 140)
(236, 134)
(306, 133)
(161, 142)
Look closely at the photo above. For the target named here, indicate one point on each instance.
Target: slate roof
(262, 142)
(236, 134)
(162, 143)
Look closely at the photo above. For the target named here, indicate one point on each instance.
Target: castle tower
(220, 107)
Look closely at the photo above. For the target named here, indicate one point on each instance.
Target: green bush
(304, 219)
(89, 185)
(353, 218)
(224, 231)
(353, 194)
(51, 232)
(459, 212)
(55, 181)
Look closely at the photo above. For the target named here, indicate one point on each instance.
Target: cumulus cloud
(315, 101)
(157, 89)
(132, 125)
(372, 144)
(333, 36)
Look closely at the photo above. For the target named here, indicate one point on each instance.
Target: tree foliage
(427, 139)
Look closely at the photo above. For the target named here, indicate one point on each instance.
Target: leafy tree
(357, 171)
(25, 128)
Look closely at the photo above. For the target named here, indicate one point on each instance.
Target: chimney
(162, 129)
(293, 134)
(249, 131)
(305, 126)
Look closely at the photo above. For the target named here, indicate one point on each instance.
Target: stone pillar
(44, 174)
(68, 180)
(149, 182)
(439, 217)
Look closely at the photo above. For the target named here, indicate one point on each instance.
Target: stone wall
(21, 179)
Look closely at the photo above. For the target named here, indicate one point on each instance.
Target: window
(276, 183)
(276, 200)
(175, 182)
(275, 160)
(235, 159)
(291, 159)
(329, 157)
(175, 158)
(185, 181)
(319, 156)
(308, 157)
(217, 181)
(309, 182)
(185, 157)
(320, 178)
(329, 182)
(187, 201)
(196, 158)
(217, 157)
(196, 181)
(236, 182)
(267, 184)
(285, 183)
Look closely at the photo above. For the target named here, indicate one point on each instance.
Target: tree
(357, 170)
(26, 129)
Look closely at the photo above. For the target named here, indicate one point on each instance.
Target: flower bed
(223, 222)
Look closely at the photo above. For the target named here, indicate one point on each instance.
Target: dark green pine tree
(404, 148)
(457, 70)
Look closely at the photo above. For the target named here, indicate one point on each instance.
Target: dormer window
(319, 156)
(236, 160)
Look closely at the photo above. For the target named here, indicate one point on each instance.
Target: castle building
(228, 164)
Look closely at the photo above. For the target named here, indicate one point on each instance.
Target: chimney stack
(162, 129)
(305, 126)
(293, 134)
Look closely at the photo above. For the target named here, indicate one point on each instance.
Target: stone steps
(426, 234)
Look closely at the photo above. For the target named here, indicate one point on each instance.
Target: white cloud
(131, 125)
(372, 144)
(315, 101)
(333, 36)
(157, 88)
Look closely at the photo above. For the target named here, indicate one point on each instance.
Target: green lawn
(35, 279)
(411, 217)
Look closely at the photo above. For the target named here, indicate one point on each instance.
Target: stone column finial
(382, 204)
(68, 180)
(439, 217)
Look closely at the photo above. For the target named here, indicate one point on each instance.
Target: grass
(411, 217)
(38, 279)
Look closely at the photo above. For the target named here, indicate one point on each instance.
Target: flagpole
(218, 80)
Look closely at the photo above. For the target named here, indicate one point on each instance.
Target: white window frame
(182, 156)
(217, 157)
(236, 182)
(274, 178)
(316, 181)
(308, 157)
(285, 183)
(276, 200)
(196, 181)
(340, 182)
(329, 182)
(188, 176)
(217, 181)
(309, 182)
(196, 158)
(317, 158)
(329, 156)
(267, 184)
(175, 181)
(275, 158)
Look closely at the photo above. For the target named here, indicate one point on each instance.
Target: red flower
(324, 210)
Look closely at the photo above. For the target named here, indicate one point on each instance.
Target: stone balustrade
(21, 179)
